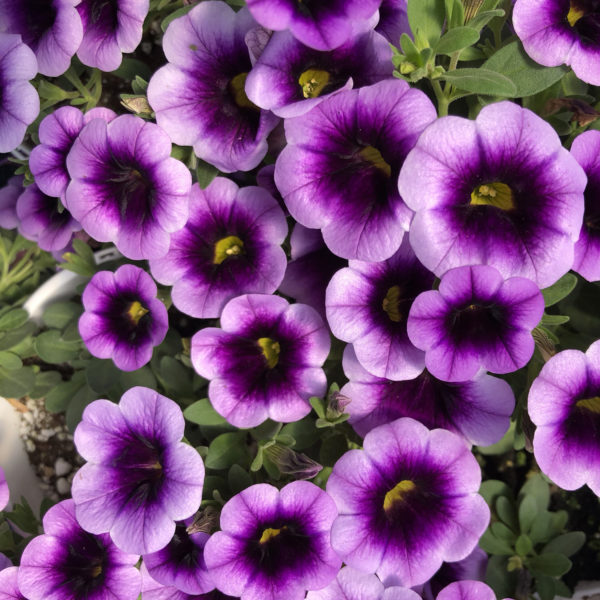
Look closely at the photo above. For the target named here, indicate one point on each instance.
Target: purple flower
(57, 132)
(311, 268)
(44, 220)
(4, 491)
(479, 410)
(199, 97)
(351, 584)
(123, 318)
(320, 24)
(51, 28)
(476, 320)
(110, 28)
(586, 149)
(564, 403)
(367, 305)
(19, 100)
(180, 564)
(266, 360)
(9, 589)
(8, 202)
(393, 20)
(125, 186)
(231, 245)
(351, 147)
(556, 32)
(290, 78)
(500, 190)
(407, 502)
(274, 544)
(459, 590)
(67, 563)
(141, 478)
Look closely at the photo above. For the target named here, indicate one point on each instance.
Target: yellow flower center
(575, 13)
(270, 349)
(313, 81)
(136, 311)
(397, 494)
(226, 247)
(96, 570)
(391, 303)
(591, 404)
(493, 194)
(269, 534)
(373, 156)
(237, 90)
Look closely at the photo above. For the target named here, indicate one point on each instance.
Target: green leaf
(12, 338)
(492, 489)
(77, 405)
(538, 489)
(528, 76)
(553, 320)
(202, 413)
(44, 382)
(13, 319)
(455, 17)
(225, 450)
(567, 543)
(559, 290)
(559, 520)
(505, 510)
(23, 517)
(332, 449)
(303, 431)
(481, 81)
(60, 314)
(101, 375)
(457, 39)
(57, 400)
(205, 173)
(492, 545)
(523, 546)
(139, 85)
(239, 479)
(427, 17)
(131, 68)
(541, 529)
(175, 377)
(17, 383)
(10, 360)
(502, 532)
(481, 19)
(143, 377)
(317, 404)
(546, 587)
(550, 563)
(527, 511)
(174, 15)
(51, 348)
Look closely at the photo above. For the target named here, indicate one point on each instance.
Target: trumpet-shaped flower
(407, 502)
(500, 190)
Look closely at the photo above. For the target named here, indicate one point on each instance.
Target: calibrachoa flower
(125, 186)
(199, 97)
(367, 305)
(564, 403)
(42, 221)
(351, 584)
(51, 28)
(479, 409)
(19, 100)
(266, 360)
(476, 320)
(393, 20)
(230, 245)
(9, 195)
(110, 28)
(274, 544)
(57, 132)
(586, 149)
(68, 563)
(339, 170)
(311, 268)
(460, 590)
(123, 318)
(500, 190)
(320, 24)
(556, 32)
(407, 502)
(141, 478)
(9, 589)
(290, 78)
(180, 564)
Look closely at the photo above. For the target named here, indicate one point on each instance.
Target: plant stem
(442, 99)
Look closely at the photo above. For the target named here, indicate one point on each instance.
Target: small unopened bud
(206, 520)
(292, 463)
(336, 405)
(471, 8)
(406, 68)
(136, 104)
(544, 344)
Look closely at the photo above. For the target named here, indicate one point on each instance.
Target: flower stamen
(591, 404)
(397, 494)
(270, 349)
(391, 304)
(136, 311)
(493, 194)
(373, 156)
(227, 247)
(313, 81)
